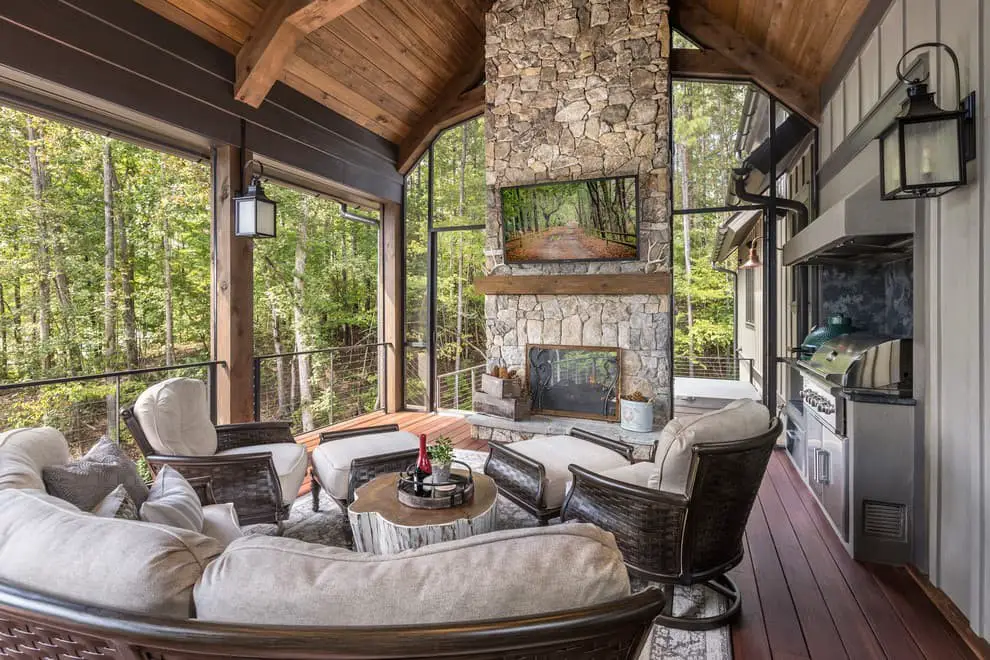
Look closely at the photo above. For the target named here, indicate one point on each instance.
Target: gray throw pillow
(118, 504)
(173, 501)
(87, 481)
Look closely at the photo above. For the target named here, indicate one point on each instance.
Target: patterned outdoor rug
(329, 527)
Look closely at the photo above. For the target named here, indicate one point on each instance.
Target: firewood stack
(502, 395)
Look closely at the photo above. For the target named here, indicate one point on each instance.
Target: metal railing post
(211, 387)
(257, 389)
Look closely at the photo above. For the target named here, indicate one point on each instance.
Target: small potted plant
(636, 413)
(441, 454)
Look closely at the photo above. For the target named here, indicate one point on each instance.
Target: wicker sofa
(77, 585)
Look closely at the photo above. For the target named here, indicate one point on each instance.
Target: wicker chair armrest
(248, 434)
(330, 436)
(621, 448)
(516, 473)
(663, 498)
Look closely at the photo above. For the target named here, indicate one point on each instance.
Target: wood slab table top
(380, 496)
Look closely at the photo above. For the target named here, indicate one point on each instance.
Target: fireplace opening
(573, 381)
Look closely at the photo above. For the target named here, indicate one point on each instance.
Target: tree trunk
(4, 348)
(167, 275)
(686, 228)
(284, 409)
(109, 254)
(298, 282)
(127, 288)
(41, 246)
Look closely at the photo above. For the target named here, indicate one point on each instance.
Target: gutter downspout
(739, 176)
(735, 305)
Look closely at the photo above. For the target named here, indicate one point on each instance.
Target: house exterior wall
(952, 291)
(579, 89)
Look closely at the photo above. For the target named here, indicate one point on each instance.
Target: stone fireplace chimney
(579, 89)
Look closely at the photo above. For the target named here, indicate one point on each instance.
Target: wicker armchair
(670, 538)
(252, 480)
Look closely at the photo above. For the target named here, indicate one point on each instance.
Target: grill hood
(860, 227)
(863, 361)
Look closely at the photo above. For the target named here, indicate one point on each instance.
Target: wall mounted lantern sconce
(254, 215)
(924, 152)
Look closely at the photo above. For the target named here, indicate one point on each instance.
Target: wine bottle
(423, 467)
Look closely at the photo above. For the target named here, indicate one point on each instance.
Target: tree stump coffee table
(384, 526)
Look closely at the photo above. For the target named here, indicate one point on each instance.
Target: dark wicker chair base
(33, 625)
(722, 584)
(522, 480)
(364, 469)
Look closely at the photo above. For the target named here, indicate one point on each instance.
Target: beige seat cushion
(741, 419)
(556, 452)
(120, 564)
(332, 460)
(290, 465)
(24, 453)
(280, 581)
(175, 416)
(637, 474)
(220, 522)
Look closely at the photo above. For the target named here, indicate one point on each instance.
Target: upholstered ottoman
(533, 473)
(346, 460)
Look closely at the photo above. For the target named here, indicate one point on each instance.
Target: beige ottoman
(346, 460)
(533, 473)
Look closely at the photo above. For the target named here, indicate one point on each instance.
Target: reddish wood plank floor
(805, 597)
(434, 425)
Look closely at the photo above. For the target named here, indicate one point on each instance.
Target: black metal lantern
(254, 213)
(924, 152)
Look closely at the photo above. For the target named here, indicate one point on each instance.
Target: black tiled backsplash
(879, 298)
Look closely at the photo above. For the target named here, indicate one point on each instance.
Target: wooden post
(233, 296)
(391, 306)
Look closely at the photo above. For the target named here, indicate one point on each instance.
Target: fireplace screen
(573, 381)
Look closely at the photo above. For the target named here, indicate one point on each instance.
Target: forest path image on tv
(583, 220)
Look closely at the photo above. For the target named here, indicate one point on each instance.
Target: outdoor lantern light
(924, 152)
(753, 261)
(254, 212)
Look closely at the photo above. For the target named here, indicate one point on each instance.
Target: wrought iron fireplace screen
(573, 381)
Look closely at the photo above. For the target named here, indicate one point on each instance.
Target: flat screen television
(587, 220)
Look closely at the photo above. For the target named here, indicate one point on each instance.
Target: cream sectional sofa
(50, 548)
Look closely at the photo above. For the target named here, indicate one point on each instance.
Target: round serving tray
(456, 491)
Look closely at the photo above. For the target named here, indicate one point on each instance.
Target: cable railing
(455, 389)
(715, 367)
(320, 387)
(84, 408)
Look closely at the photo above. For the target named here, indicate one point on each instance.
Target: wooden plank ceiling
(404, 69)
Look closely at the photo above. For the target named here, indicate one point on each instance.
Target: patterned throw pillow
(173, 501)
(87, 481)
(118, 504)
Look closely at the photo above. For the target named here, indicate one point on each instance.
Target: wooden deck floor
(452, 425)
(804, 597)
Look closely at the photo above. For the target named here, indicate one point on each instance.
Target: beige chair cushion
(332, 460)
(24, 453)
(220, 522)
(637, 474)
(743, 418)
(120, 564)
(280, 581)
(175, 417)
(556, 452)
(173, 501)
(290, 465)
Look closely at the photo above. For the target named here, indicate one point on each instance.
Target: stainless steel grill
(861, 361)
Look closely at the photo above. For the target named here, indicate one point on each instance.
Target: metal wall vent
(885, 520)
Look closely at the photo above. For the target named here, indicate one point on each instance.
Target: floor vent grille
(885, 520)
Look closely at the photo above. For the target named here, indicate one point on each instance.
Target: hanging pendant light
(753, 262)
(254, 215)
(924, 152)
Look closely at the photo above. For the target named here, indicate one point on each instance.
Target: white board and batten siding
(952, 288)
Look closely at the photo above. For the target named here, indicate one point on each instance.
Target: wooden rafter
(453, 105)
(704, 64)
(272, 41)
(774, 76)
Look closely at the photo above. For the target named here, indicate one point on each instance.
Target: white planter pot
(636, 416)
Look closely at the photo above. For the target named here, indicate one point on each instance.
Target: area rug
(329, 527)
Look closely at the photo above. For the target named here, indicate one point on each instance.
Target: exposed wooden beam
(770, 73)
(704, 64)
(282, 27)
(621, 284)
(452, 106)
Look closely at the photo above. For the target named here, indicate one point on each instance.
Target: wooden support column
(233, 296)
(391, 306)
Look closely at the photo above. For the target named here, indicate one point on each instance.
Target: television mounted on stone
(564, 221)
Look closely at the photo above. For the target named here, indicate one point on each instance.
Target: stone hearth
(488, 427)
(578, 89)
